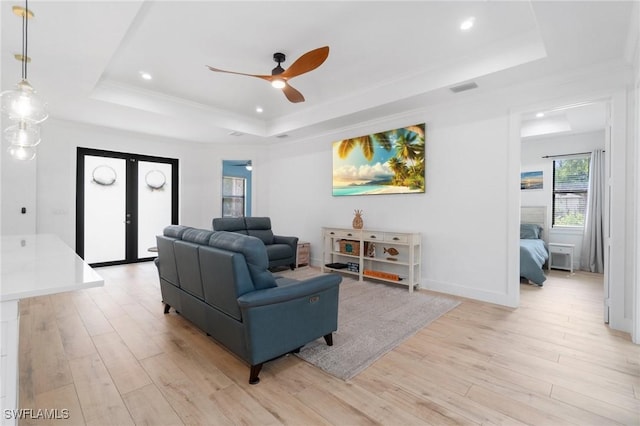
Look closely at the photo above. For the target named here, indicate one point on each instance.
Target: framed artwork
(531, 180)
(390, 162)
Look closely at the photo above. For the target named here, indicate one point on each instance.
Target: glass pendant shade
(22, 153)
(23, 134)
(23, 104)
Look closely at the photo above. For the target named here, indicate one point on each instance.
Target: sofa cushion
(260, 227)
(225, 277)
(254, 253)
(279, 251)
(266, 236)
(198, 236)
(175, 231)
(188, 265)
(167, 264)
(231, 224)
(167, 260)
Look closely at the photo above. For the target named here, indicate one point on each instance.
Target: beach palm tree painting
(391, 162)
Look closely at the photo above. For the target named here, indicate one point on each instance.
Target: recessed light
(540, 115)
(467, 24)
(145, 75)
(259, 109)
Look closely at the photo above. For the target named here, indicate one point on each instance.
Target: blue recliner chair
(281, 250)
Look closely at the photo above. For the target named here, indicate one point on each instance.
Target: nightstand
(561, 256)
(302, 256)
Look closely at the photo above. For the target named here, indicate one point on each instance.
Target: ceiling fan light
(278, 83)
(23, 104)
(22, 153)
(23, 134)
(467, 24)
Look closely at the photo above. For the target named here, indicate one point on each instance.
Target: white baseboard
(502, 299)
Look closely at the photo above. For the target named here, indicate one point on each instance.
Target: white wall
(634, 121)
(200, 171)
(533, 149)
(461, 216)
(18, 190)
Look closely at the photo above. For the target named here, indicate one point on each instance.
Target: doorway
(236, 187)
(565, 133)
(123, 201)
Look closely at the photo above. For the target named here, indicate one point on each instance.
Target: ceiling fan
(246, 164)
(280, 77)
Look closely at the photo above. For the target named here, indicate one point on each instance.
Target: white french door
(123, 201)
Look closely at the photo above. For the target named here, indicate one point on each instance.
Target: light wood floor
(110, 356)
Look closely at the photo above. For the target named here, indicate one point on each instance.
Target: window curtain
(592, 256)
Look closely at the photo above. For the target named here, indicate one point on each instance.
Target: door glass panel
(104, 209)
(154, 204)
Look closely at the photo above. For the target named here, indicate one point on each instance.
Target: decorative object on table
(371, 250)
(24, 108)
(155, 179)
(104, 175)
(350, 247)
(337, 265)
(390, 162)
(531, 180)
(357, 220)
(392, 251)
(381, 274)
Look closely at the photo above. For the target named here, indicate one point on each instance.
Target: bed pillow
(530, 231)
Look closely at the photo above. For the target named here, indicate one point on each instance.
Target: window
(570, 189)
(233, 196)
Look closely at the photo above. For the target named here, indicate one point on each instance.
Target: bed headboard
(537, 215)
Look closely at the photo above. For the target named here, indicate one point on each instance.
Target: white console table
(388, 256)
(32, 265)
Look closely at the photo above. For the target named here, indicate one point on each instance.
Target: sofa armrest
(290, 241)
(282, 319)
(286, 293)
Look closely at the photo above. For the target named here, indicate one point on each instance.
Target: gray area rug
(373, 318)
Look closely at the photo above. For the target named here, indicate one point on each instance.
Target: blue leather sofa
(281, 250)
(220, 282)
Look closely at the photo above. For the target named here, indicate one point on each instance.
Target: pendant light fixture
(22, 104)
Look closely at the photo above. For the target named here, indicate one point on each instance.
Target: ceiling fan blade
(264, 77)
(307, 62)
(292, 94)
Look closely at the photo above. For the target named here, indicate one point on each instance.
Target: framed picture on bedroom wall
(531, 180)
(389, 162)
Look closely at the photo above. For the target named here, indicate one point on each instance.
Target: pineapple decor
(357, 220)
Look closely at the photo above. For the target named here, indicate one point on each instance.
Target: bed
(533, 246)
